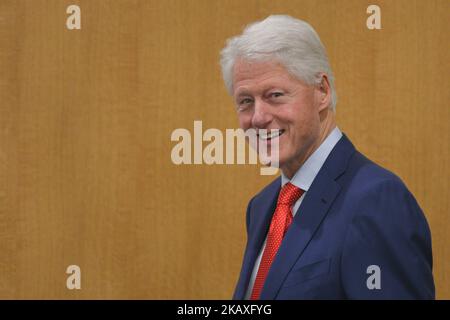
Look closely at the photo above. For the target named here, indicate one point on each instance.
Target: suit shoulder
(378, 192)
(368, 175)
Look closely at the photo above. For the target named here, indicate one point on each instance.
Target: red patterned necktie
(281, 220)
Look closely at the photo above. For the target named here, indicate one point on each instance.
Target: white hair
(289, 41)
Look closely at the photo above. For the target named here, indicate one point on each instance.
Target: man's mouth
(270, 134)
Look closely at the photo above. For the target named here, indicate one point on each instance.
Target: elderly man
(335, 225)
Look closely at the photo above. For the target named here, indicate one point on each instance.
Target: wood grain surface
(86, 117)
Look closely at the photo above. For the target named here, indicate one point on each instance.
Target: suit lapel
(312, 211)
(309, 216)
(261, 213)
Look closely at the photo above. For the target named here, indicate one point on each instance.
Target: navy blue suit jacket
(355, 215)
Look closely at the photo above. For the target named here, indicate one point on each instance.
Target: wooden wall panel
(86, 117)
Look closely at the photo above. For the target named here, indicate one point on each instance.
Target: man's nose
(262, 115)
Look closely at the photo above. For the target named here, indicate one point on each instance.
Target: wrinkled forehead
(250, 73)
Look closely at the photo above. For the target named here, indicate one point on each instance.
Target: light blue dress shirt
(303, 179)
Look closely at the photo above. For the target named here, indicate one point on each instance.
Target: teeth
(264, 135)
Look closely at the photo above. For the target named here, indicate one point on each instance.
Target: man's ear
(324, 92)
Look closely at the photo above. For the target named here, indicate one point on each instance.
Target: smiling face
(268, 97)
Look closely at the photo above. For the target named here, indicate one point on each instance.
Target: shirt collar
(304, 176)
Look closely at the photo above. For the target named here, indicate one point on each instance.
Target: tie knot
(289, 194)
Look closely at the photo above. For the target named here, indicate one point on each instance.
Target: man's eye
(245, 101)
(276, 94)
